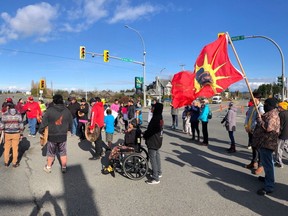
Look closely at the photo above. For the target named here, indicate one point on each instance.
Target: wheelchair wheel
(144, 153)
(135, 166)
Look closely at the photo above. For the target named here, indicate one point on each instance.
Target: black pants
(195, 127)
(205, 132)
(98, 145)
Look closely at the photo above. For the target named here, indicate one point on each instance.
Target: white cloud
(125, 12)
(32, 20)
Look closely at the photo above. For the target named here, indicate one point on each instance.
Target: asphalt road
(196, 180)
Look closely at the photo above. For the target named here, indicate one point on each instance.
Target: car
(216, 99)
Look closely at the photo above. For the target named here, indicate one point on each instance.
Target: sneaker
(249, 147)
(47, 169)
(152, 182)
(94, 158)
(29, 135)
(64, 169)
(33, 136)
(151, 176)
(160, 176)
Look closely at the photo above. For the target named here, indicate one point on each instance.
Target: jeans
(32, 125)
(268, 164)
(174, 121)
(231, 136)
(74, 126)
(154, 157)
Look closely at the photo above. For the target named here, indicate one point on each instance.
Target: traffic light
(82, 52)
(280, 81)
(42, 84)
(106, 55)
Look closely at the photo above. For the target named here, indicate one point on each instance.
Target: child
(109, 127)
(139, 117)
(121, 123)
(130, 143)
(187, 123)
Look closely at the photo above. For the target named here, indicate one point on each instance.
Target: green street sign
(126, 59)
(240, 37)
(138, 82)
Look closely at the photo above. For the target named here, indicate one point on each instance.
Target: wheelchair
(132, 163)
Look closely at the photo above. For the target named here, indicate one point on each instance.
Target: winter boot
(232, 149)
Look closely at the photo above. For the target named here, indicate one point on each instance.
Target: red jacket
(32, 109)
(97, 115)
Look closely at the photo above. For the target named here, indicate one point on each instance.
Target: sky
(41, 39)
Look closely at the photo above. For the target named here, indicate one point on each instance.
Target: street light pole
(282, 59)
(143, 64)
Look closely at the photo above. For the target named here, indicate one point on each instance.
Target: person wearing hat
(58, 119)
(265, 140)
(230, 124)
(12, 125)
(82, 115)
(33, 111)
(4, 104)
(283, 135)
(249, 125)
(97, 118)
(74, 107)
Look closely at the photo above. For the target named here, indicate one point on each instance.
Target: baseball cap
(30, 98)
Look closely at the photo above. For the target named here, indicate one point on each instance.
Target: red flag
(183, 89)
(213, 70)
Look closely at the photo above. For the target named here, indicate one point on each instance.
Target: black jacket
(59, 121)
(154, 134)
(74, 107)
(283, 125)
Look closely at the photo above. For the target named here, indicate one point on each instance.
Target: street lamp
(143, 64)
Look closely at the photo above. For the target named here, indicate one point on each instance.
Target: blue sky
(41, 39)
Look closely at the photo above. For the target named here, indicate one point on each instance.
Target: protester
(115, 107)
(97, 118)
(195, 113)
(20, 108)
(153, 138)
(250, 124)
(33, 111)
(58, 119)
(4, 104)
(129, 145)
(12, 125)
(203, 117)
(283, 135)
(265, 140)
(184, 114)
(131, 110)
(230, 123)
(174, 113)
(109, 127)
(74, 106)
(82, 116)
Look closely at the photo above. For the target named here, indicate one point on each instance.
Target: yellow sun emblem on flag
(206, 75)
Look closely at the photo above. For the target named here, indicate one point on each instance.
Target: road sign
(126, 59)
(138, 82)
(240, 37)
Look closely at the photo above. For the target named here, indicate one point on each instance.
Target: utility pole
(182, 66)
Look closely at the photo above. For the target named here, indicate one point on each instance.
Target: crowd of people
(57, 118)
(266, 125)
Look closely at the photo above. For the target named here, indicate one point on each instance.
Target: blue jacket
(204, 113)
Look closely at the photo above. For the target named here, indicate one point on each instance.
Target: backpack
(210, 115)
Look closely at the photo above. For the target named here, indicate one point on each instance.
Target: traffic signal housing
(106, 55)
(280, 81)
(42, 84)
(82, 52)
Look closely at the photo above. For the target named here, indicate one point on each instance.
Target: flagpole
(243, 72)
